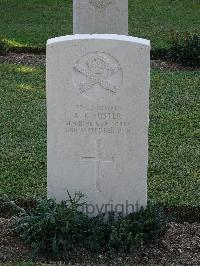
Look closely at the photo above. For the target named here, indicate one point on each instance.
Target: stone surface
(98, 115)
(100, 16)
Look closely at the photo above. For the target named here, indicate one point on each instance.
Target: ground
(180, 244)
(173, 164)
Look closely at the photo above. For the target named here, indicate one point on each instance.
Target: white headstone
(100, 16)
(98, 115)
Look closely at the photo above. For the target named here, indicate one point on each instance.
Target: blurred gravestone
(100, 16)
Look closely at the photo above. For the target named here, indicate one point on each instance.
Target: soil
(40, 60)
(24, 59)
(180, 245)
(11, 247)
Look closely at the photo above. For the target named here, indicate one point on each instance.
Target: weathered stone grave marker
(98, 112)
(97, 98)
(100, 16)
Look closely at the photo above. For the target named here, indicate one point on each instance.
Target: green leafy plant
(138, 229)
(58, 228)
(185, 49)
(3, 47)
(98, 234)
(53, 227)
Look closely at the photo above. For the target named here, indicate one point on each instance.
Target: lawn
(30, 23)
(22, 131)
(174, 176)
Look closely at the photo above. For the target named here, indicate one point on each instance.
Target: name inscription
(97, 120)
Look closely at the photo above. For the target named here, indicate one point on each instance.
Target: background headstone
(100, 16)
(98, 115)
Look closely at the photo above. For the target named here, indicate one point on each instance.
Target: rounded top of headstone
(116, 37)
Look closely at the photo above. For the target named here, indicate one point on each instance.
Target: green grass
(22, 131)
(30, 23)
(174, 176)
(154, 19)
(174, 164)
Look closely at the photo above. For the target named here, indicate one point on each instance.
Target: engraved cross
(98, 159)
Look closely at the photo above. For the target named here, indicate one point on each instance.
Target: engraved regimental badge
(97, 75)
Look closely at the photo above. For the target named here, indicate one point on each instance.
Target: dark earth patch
(40, 60)
(11, 247)
(179, 245)
(24, 59)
